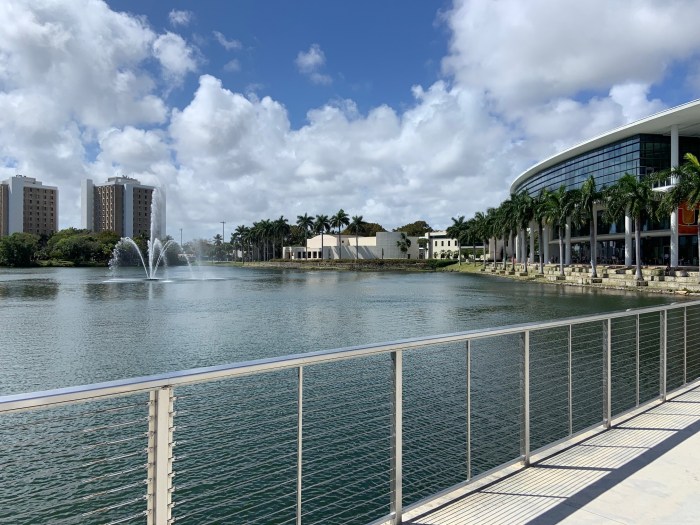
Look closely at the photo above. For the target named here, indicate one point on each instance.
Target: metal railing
(354, 435)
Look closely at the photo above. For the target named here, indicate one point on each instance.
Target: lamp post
(223, 238)
(180, 237)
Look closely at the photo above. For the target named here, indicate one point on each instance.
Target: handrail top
(135, 385)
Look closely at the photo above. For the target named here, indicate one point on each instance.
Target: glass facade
(638, 155)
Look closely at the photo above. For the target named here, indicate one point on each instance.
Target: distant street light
(180, 237)
(223, 238)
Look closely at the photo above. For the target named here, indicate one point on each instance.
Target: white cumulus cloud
(311, 62)
(80, 97)
(179, 18)
(228, 45)
(175, 56)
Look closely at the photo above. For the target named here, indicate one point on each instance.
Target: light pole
(223, 238)
(180, 237)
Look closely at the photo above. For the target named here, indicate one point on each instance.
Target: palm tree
(524, 208)
(241, 234)
(339, 220)
(636, 197)
(306, 223)
(505, 225)
(356, 226)
(686, 189)
(557, 208)
(456, 231)
(539, 213)
(404, 243)
(589, 195)
(491, 229)
(480, 228)
(322, 225)
(280, 229)
(218, 242)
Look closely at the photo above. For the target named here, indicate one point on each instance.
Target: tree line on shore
(630, 195)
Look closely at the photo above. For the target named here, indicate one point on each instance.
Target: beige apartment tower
(122, 205)
(26, 205)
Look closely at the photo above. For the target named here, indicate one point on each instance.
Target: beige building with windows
(122, 205)
(26, 205)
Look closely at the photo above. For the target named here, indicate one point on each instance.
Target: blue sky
(396, 111)
(375, 51)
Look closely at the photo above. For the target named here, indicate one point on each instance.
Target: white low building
(440, 245)
(384, 246)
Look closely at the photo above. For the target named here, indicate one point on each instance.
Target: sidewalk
(643, 471)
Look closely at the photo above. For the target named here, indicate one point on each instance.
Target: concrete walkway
(645, 470)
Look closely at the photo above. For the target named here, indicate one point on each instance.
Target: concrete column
(674, 238)
(567, 243)
(533, 229)
(518, 246)
(594, 225)
(544, 243)
(675, 161)
(628, 240)
(511, 248)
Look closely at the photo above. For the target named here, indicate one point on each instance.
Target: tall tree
(589, 196)
(306, 223)
(356, 225)
(491, 230)
(524, 209)
(481, 231)
(280, 229)
(415, 229)
(558, 208)
(539, 215)
(457, 231)
(636, 197)
(339, 221)
(322, 225)
(685, 191)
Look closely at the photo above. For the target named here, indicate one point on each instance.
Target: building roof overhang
(685, 116)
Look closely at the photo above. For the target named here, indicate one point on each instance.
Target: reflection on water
(28, 289)
(64, 326)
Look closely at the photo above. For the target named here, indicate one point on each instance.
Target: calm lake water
(65, 326)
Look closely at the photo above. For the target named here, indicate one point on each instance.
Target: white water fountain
(155, 247)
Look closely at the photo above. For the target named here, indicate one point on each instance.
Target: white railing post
(637, 359)
(685, 345)
(396, 438)
(607, 373)
(160, 456)
(469, 410)
(300, 414)
(525, 452)
(664, 342)
(571, 384)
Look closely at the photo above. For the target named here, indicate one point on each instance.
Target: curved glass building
(641, 148)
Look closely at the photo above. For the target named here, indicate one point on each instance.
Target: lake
(70, 326)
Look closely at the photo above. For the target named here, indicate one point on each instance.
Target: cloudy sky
(393, 110)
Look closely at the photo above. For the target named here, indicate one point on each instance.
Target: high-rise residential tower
(122, 205)
(26, 205)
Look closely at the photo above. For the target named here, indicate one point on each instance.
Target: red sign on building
(687, 220)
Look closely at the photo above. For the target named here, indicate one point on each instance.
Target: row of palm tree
(261, 240)
(630, 195)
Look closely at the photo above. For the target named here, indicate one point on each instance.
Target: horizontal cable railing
(354, 435)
